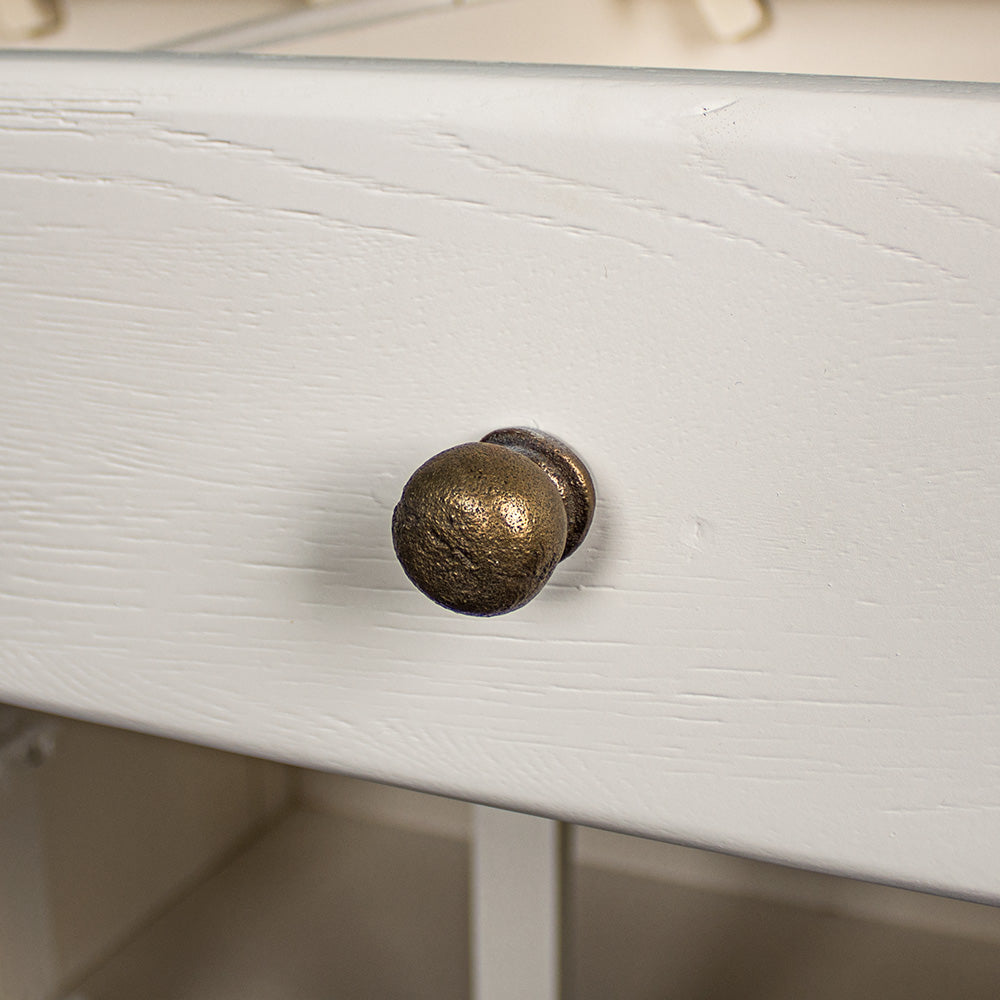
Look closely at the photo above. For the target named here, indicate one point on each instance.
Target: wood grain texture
(244, 299)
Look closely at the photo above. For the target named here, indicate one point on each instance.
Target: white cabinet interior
(174, 872)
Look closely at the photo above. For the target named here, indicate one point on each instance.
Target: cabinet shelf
(317, 907)
(323, 906)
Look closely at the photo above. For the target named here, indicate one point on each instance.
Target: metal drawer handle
(480, 527)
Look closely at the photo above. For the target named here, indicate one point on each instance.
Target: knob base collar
(564, 467)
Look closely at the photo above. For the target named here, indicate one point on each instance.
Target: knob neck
(563, 466)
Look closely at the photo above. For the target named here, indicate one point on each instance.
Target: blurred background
(928, 39)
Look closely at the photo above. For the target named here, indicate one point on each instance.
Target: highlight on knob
(480, 527)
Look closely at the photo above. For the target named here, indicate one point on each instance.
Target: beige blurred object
(732, 20)
(20, 19)
(315, 19)
(913, 39)
(726, 21)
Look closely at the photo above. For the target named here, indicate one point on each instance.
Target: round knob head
(479, 528)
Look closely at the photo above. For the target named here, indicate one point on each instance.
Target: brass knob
(480, 527)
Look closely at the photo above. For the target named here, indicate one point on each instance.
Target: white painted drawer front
(244, 299)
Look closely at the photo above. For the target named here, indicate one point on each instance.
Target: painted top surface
(244, 299)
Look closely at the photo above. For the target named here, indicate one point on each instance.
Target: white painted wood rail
(519, 893)
(243, 299)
